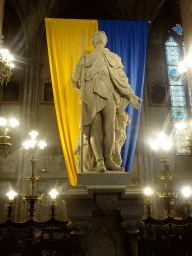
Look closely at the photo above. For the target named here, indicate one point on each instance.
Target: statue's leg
(96, 142)
(108, 114)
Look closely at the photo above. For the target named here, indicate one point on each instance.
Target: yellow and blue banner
(128, 39)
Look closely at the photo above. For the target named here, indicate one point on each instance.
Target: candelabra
(164, 144)
(167, 195)
(4, 138)
(33, 198)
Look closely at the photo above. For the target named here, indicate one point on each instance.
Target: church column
(186, 18)
(1, 15)
(33, 33)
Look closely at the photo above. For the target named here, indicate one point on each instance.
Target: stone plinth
(104, 217)
(108, 178)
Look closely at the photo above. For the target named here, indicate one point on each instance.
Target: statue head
(99, 36)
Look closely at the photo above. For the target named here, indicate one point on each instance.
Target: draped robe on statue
(103, 75)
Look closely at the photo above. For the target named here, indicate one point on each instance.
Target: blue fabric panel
(128, 39)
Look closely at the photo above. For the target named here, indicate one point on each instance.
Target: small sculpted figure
(107, 93)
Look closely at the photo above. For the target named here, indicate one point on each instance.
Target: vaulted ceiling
(90, 9)
(21, 17)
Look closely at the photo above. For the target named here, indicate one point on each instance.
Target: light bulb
(3, 121)
(42, 144)
(29, 144)
(11, 195)
(166, 144)
(10, 57)
(12, 65)
(162, 137)
(154, 145)
(26, 145)
(186, 192)
(4, 52)
(148, 191)
(53, 193)
(33, 135)
(180, 125)
(14, 123)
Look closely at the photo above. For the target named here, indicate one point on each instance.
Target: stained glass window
(177, 93)
(178, 29)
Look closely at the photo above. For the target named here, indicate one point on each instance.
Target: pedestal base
(104, 217)
(107, 178)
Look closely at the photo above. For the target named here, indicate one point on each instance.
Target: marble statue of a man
(107, 92)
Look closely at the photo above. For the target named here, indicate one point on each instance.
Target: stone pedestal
(104, 217)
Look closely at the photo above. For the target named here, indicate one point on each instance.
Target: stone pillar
(186, 19)
(1, 16)
(31, 16)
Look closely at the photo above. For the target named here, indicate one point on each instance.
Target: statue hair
(102, 33)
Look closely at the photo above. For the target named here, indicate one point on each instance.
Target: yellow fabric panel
(64, 41)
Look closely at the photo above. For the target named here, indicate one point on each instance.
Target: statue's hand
(134, 102)
(81, 61)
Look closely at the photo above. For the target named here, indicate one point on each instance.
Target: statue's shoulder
(110, 54)
(113, 58)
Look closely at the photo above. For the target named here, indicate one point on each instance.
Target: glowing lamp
(11, 195)
(29, 144)
(167, 144)
(14, 123)
(186, 192)
(42, 144)
(180, 125)
(154, 145)
(53, 193)
(33, 135)
(148, 191)
(3, 121)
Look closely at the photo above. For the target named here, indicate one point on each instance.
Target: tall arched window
(179, 92)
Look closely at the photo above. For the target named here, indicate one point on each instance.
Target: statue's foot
(100, 166)
(112, 166)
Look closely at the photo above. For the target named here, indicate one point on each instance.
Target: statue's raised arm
(107, 93)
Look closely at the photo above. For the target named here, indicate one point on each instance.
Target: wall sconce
(5, 128)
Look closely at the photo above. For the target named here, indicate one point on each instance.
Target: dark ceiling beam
(20, 12)
(155, 10)
(1, 16)
(126, 12)
(46, 14)
(171, 6)
(137, 9)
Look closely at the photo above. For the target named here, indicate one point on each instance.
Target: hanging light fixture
(5, 127)
(5, 64)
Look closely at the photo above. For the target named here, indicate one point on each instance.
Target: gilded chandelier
(5, 65)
